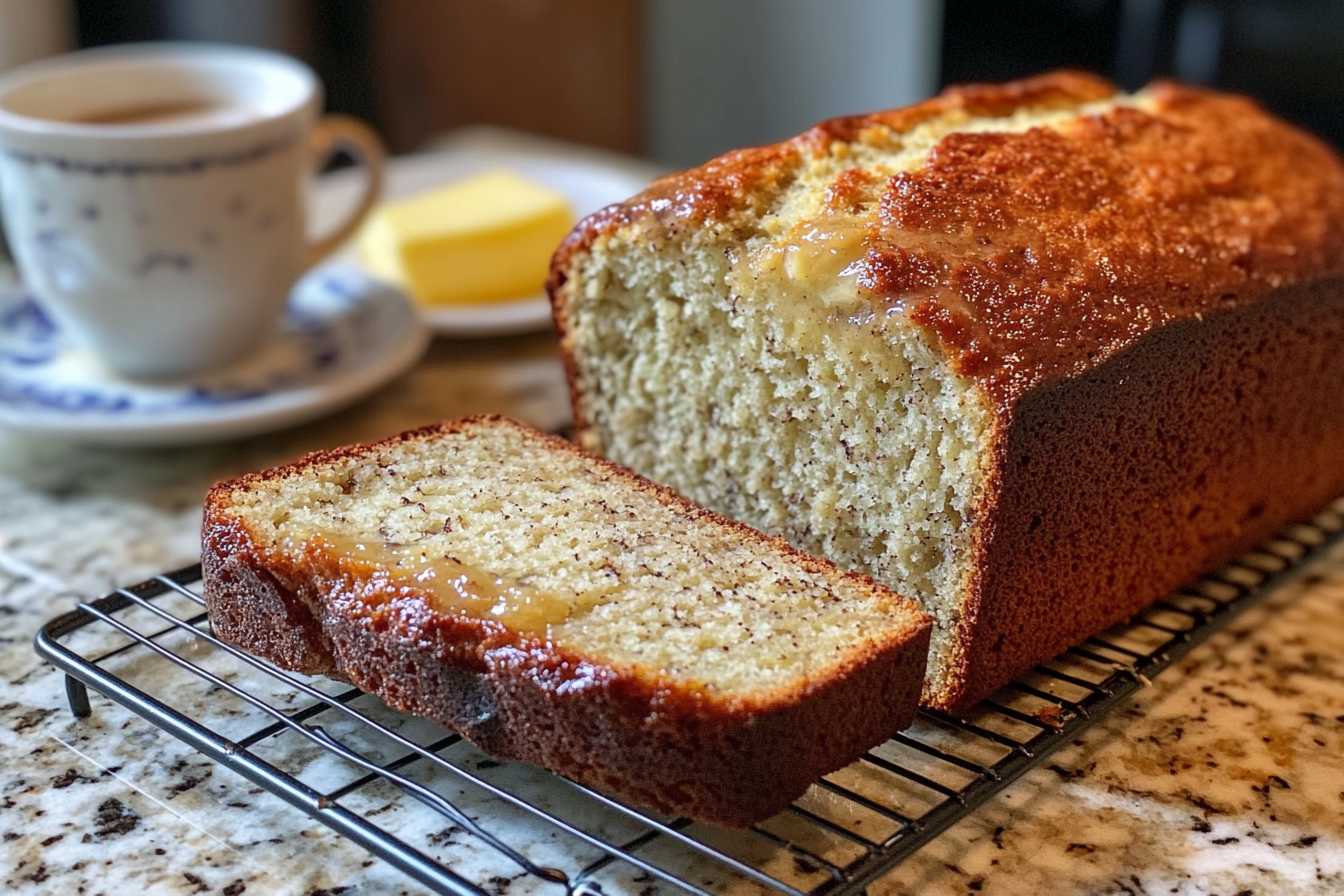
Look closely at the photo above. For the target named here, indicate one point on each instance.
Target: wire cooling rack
(275, 728)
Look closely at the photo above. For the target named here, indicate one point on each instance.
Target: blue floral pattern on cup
(28, 336)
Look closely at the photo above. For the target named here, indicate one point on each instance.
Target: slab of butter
(485, 239)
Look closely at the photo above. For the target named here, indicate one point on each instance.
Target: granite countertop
(1225, 777)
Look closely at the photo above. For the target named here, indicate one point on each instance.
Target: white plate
(344, 335)
(590, 180)
(527, 315)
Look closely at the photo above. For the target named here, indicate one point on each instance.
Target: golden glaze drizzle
(821, 260)
(457, 588)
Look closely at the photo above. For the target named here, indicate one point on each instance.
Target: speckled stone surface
(1225, 777)
(109, 804)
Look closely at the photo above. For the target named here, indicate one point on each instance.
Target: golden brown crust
(1037, 255)
(746, 178)
(627, 730)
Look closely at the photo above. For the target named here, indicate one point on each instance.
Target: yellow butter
(485, 239)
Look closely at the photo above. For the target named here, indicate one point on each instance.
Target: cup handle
(340, 133)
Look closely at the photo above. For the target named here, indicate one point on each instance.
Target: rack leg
(78, 695)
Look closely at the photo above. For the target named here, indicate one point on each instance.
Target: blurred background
(681, 80)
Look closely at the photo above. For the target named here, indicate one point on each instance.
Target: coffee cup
(154, 196)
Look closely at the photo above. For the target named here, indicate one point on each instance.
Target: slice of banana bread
(559, 609)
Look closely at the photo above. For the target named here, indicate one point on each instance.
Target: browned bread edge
(620, 730)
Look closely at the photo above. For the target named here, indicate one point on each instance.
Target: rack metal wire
(853, 826)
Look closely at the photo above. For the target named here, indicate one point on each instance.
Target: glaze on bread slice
(1033, 354)
(555, 608)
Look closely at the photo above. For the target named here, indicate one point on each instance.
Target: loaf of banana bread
(555, 608)
(1034, 354)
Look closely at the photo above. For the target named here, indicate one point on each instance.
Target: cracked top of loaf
(1033, 228)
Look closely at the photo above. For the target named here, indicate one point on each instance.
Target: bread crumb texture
(616, 570)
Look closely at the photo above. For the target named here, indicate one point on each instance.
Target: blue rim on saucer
(343, 335)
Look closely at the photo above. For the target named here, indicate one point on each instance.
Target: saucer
(343, 335)
(589, 179)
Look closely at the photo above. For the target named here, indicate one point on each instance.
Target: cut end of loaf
(857, 445)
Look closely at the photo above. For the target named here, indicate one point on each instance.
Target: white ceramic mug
(154, 195)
